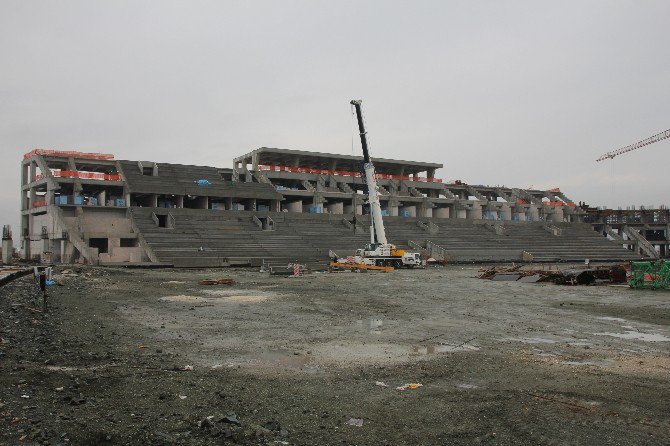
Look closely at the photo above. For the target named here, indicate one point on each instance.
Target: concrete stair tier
(203, 238)
(207, 238)
(181, 179)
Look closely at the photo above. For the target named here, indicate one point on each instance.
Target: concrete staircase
(206, 238)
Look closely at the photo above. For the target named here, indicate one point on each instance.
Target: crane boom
(638, 145)
(378, 234)
(379, 253)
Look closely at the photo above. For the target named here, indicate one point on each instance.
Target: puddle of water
(443, 348)
(219, 297)
(532, 340)
(183, 298)
(613, 319)
(374, 325)
(578, 363)
(281, 359)
(648, 337)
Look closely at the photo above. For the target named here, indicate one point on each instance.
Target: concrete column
(7, 251)
(336, 208)
(534, 212)
(475, 213)
(254, 162)
(410, 209)
(393, 210)
(506, 211)
(441, 212)
(294, 206)
(557, 216)
(428, 212)
(154, 201)
(229, 203)
(33, 171)
(180, 202)
(102, 198)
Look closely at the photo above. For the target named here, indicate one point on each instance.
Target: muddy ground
(153, 357)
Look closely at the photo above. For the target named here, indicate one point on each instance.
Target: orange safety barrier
(346, 173)
(555, 190)
(554, 203)
(70, 153)
(38, 203)
(520, 201)
(85, 175)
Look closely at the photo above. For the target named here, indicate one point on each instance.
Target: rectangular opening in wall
(129, 243)
(162, 221)
(101, 243)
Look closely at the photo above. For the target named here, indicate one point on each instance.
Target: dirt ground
(153, 357)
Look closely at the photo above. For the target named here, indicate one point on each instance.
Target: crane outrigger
(379, 253)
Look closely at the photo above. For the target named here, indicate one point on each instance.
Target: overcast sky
(517, 93)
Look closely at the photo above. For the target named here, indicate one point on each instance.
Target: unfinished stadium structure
(291, 205)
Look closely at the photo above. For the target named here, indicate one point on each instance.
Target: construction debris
(409, 386)
(217, 282)
(650, 275)
(575, 276)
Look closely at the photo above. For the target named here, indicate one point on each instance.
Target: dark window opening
(148, 171)
(101, 243)
(128, 243)
(162, 221)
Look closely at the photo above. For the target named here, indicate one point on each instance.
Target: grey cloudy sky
(518, 93)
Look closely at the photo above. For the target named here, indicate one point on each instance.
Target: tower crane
(638, 145)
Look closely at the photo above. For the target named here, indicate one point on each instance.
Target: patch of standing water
(443, 348)
(374, 325)
(648, 337)
(532, 340)
(609, 318)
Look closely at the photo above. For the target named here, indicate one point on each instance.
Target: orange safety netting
(58, 173)
(347, 173)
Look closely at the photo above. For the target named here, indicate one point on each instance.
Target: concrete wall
(109, 221)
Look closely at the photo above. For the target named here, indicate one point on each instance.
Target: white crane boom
(638, 145)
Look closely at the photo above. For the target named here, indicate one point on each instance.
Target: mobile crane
(379, 252)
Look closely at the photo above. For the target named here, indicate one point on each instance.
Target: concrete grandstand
(285, 205)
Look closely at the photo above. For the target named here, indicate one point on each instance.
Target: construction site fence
(58, 173)
(346, 173)
(70, 153)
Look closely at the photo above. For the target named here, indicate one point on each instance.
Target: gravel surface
(154, 357)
